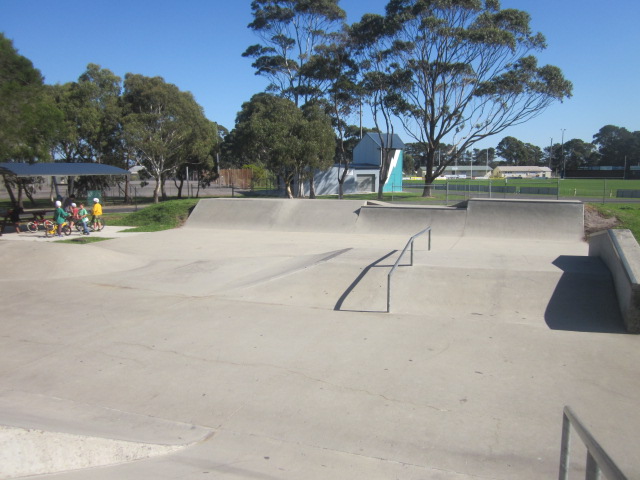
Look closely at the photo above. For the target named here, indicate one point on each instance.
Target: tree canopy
(291, 31)
(456, 70)
(164, 127)
(288, 140)
(29, 119)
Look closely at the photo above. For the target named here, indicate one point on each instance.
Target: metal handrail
(393, 269)
(597, 459)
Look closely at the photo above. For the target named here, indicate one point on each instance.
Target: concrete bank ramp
(41, 435)
(276, 214)
(530, 219)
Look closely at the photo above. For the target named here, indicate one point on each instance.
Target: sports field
(594, 190)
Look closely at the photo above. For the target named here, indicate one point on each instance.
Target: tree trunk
(288, 184)
(127, 188)
(386, 155)
(312, 188)
(429, 177)
(163, 189)
(179, 186)
(427, 192)
(341, 178)
(70, 186)
(19, 202)
(29, 195)
(287, 188)
(156, 192)
(7, 185)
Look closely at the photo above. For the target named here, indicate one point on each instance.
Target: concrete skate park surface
(253, 343)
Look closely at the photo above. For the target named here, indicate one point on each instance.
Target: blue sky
(197, 45)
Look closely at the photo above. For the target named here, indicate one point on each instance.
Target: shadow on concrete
(584, 299)
(358, 279)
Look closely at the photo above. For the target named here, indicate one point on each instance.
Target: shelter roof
(58, 169)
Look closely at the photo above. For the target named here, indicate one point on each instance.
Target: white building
(521, 172)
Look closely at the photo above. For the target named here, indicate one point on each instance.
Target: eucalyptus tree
(518, 153)
(29, 118)
(336, 71)
(578, 153)
(291, 31)
(266, 132)
(200, 161)
(163, 127)
(617, 146)
(380, 84)
(319, 145)
(92, 130)
(462, 70)
(291, 142)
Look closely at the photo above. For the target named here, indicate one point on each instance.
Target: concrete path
(214, 351)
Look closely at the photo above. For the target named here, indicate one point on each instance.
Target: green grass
(628, 214)
(83, 240)
(160, 216)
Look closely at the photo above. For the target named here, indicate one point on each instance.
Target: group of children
(67, 210)
(75, 213)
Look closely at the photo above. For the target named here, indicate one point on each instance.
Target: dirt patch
(594, 221)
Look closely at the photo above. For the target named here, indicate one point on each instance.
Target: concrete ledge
(620, 251)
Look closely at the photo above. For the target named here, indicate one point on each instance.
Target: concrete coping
(620, 251)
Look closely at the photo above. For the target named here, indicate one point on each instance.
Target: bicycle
(99, 225)
(34, 225)
(53, 230)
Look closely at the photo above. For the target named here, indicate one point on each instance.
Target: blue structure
(368, 156)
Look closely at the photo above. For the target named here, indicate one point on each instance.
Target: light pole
(550, 152)
(564, 166)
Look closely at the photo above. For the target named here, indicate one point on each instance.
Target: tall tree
(29, 118)
(337, 73)
(291, 31)
(266, 132)
(465, 70)
(318, 147)
(291, 142)
(617, 146)
(92, 124)
(163, 126)
(517, 153)
(578, 153)
(381, 82)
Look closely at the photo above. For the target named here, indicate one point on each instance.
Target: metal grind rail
(393, 269)
(598, 461)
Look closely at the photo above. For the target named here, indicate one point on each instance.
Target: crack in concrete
(289, 371)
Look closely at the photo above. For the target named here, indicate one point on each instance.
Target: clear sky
(197, 45)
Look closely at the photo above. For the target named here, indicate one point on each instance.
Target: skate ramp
(276, 340)
(529, 219)
(275, 214)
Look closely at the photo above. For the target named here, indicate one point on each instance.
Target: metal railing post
(598, 461)
(564, 448)
(395, 265)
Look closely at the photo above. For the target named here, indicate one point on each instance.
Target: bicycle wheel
(48, 225)
(66, 229)
(78, 225)
(50, 232)
(32, 227)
